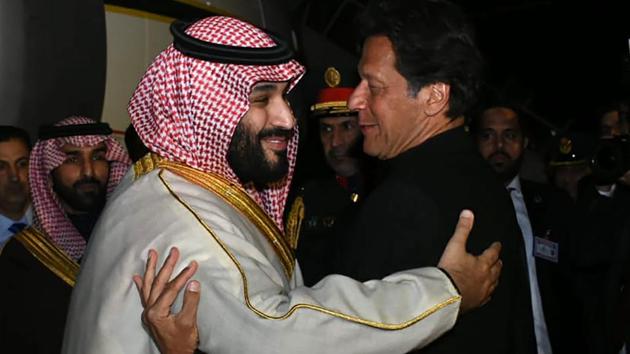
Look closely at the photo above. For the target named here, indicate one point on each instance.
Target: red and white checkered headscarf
(187, 109)
(47, 155)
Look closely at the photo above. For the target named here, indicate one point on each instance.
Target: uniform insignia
(294, 222)
(332, 77)
(566, 145)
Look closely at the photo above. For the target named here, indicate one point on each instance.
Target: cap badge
(566, 145)
(332, 77)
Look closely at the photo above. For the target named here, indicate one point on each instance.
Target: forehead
(378, 53)
(499, 118)
(71, 148)
(13, 148)
(337, 120)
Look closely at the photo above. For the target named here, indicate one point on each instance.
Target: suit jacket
(601, 265)
(408, 219)
(34, 302)
(551, 214)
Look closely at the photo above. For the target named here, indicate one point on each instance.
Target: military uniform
(326, 202)
(323, 202)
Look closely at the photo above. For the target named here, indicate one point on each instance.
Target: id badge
(546, 249)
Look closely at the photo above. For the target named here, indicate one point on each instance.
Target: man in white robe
(212, 110)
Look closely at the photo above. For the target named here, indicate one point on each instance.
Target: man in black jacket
(419, 74)
(544, 215)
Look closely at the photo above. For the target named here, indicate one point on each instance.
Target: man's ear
(436, 98)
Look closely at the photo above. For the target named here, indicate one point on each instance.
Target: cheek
(326, 141)
(101, 172)
(66, 175)
(485, 149)
(514, 150)
(24, 175)
(351, 136)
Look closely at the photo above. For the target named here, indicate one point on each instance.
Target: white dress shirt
(6, 223)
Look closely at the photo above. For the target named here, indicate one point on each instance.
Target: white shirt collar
(515, 184)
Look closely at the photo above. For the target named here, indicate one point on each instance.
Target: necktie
(17, 227)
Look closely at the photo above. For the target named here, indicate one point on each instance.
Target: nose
(13, 173)
(498, 142)
(283, 117)
(337, 138)
(87, 167)
(358, 98)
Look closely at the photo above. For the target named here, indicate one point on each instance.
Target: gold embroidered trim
(51, 256)
(232, 194)
(294, 308)
(294, 222)
(145, 165)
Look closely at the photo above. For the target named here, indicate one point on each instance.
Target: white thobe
(248, 303)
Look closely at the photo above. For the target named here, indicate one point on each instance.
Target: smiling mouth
(277, 143)
(367, 127)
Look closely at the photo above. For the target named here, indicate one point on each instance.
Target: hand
(476, 277)
(625, 179)
(174, 333)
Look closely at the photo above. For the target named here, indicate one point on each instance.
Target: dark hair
(433, 42)
(8, 132)
(523, 121)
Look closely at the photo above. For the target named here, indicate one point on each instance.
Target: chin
(370, 150)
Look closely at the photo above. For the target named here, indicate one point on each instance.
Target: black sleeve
(386, 235)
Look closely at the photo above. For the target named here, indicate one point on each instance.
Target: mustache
(339, 152)
(277, 132)
(86, 181)
(500, 153)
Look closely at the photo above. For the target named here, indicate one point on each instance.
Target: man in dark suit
(419, 72)
(544, 215)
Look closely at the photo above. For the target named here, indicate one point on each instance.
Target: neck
(442, 125)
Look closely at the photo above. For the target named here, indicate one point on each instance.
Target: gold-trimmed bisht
(51, 256)
(239, 195)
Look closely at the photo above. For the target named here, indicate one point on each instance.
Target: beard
(84, 201)
(507, 169)
(247, 159)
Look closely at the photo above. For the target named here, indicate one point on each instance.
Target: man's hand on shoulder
(475, 277)
(174, 333)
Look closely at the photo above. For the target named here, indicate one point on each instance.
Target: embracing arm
(474, 276)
